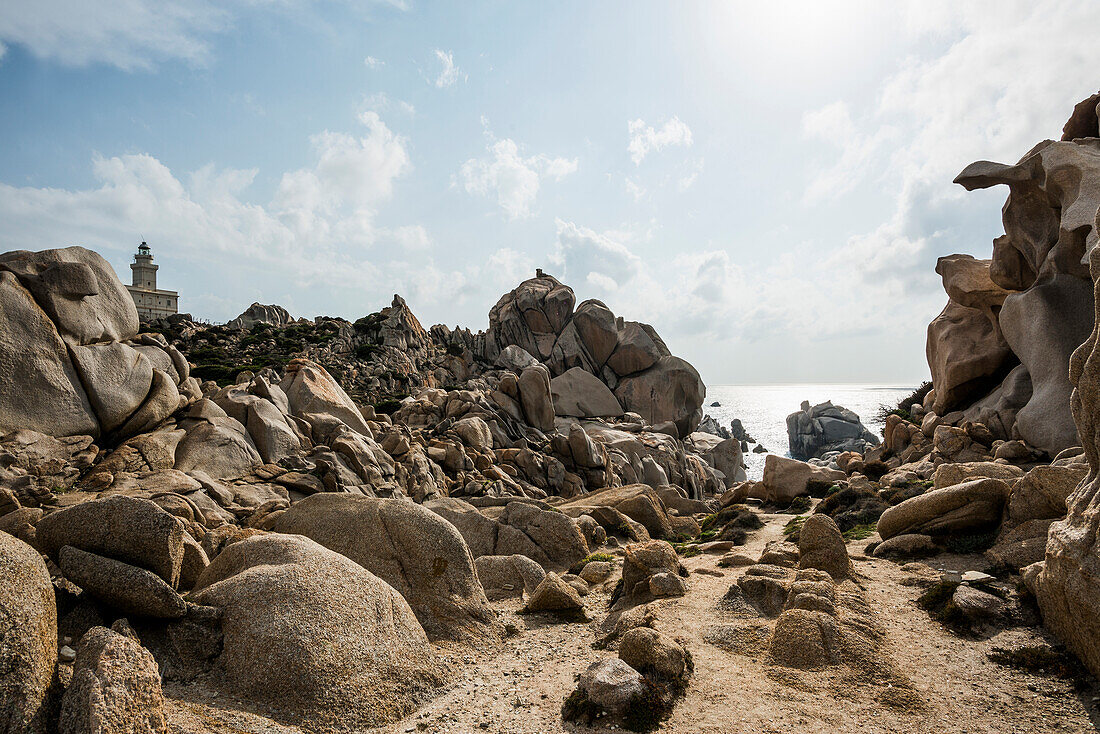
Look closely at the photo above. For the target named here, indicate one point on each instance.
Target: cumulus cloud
(318, 229)
(512, 178)
(589, 256)
(351, 171)
(131, 34)
(507, 267)
(372, 63)
(645, 138)
(448, 73)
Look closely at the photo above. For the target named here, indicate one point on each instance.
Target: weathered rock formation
(820, 429)
(628, 357)
(70, 347)
(1068, 585)
(259, 313)
(1031, 304)
(28, 638)
(280, 596)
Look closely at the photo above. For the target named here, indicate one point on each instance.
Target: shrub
(590, 558)
(860, 532)
(1042, 659)
(971, 543)
(389, 407)
(903, 405)
(794, 527)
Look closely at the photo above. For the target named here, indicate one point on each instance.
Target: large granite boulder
(966, 351)
(1069, 583)
(313, 396)
(581, 394)
(70, 348)
(532, 315)
(966, 354)
(785, 479)
(670, 390)
(815, 430)
(971, 506)
(411, 548)
(1043, 325)
(259, 313)
(551, 539)
(724, 454)
(130, 529)
(115, 688)
(28, 638)
(314, 636)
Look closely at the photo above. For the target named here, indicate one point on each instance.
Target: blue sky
(769, 186)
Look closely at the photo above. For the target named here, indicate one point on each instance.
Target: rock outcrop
(628, 357)
(1069, 582)
(820, 429)
(69, 330)
(259, 313)
(409, 547)
(115, 688)
(1031, 304)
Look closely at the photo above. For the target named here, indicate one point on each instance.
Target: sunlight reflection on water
(763, 409)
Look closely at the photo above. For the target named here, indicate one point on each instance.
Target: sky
(768, 184)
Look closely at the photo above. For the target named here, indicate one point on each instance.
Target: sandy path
(935, 681)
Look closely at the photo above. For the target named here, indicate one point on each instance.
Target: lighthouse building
(152, 303)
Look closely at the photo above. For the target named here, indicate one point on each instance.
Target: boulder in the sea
(815, 430)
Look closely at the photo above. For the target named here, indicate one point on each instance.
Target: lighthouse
(152, 303)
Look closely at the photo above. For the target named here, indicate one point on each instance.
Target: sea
(763, 410)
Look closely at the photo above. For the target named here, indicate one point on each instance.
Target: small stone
(977, 577)
(66, 654)
(667, 584)
(976, 604)
(596, 571)
(612, 683)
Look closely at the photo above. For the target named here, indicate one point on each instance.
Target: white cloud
(128, 34)
(688, 179)
(506, 267)
(356, 172)
(634, 189)
(585, 255)
(511, 177)
(1006, 77)
(412, 237)
(316, 239)
(449, 73)
(644, 138)
(372, 63)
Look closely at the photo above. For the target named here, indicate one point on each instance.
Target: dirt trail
(930, 680)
